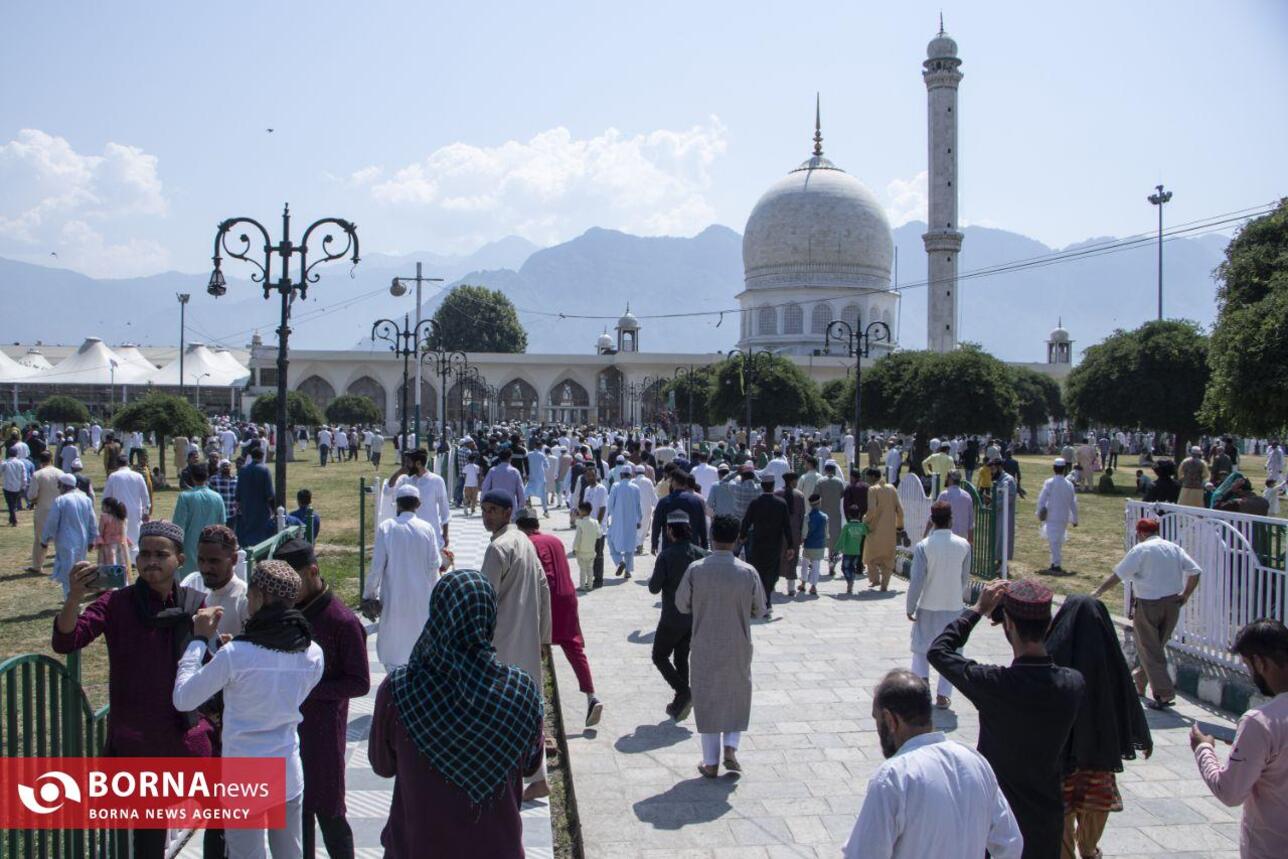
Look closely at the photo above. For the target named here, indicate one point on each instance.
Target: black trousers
(336, 835)
(13, 500)
(150, 844)
(598, 578)
(671, 656)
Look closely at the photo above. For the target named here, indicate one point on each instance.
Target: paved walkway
(368, 796)
(812, 744)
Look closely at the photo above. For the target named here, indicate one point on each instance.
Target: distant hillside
(600, 271)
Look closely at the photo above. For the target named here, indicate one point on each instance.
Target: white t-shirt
(471, 472)
(597, 497)
(1156, 568)
(324, 438)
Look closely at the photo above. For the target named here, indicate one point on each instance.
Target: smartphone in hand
(110, 577)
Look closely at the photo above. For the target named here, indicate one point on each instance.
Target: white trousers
(921, 667)
(284, 843)
(809, 570)
(713, 746)
(1055, 539)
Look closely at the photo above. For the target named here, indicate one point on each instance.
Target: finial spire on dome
(1059, 322)
(941, 22)
(818, 127)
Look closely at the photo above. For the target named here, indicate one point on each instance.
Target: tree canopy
(1038, 398)
(353, 409)
(1248, 357)
(477, 319)
(62, 410)
(678, 390)
(163, 414)
(781, 393)
(300, 410)
(964, 391)
(1150, 378)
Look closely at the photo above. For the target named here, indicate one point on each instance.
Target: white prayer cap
(639, 469)
(1196, 450)
(1059, 462)
(66, 480)
(407, 490)
(934, 444)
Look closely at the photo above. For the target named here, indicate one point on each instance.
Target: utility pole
(183, 306)
(398, 288)
(1158, 198)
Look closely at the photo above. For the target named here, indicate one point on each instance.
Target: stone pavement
(812, 744)
(367, 795)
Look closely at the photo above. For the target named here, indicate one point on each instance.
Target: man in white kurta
(938, 585)
(704, 474)
(933, 797)
(435, 508)
(404, 569)
(624, 515)
(227, 442)
(1057, 510)
(1275, 462)
(893, 461)
(129, 487)
(648, 500)
(72, 526)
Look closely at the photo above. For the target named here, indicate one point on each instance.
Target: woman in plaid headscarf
(458, 730)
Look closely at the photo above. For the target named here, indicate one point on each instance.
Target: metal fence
(990, 545)
(1244, 573)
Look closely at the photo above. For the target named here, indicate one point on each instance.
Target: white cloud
(57, 199)
(554, 185)
(908, 199)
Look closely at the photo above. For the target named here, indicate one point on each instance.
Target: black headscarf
(1111, 725)
(278, 627)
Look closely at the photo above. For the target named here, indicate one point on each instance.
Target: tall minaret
(943, 241)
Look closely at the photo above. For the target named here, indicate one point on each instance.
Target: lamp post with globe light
(751, 359)
(288, 289)
(858, 344)
(1159, 198)
(397, 288)
(404, 342)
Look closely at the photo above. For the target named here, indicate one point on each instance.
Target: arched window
(318, 390)
(850, 314)
(767, 321)
(820, 317)
(369, 387)
(428, 401)
(793, 319)
(518, 401)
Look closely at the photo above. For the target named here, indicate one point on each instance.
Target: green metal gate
(984, 540)
(47, 714)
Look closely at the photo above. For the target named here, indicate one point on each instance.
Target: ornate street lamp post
(750, 359)
(688, 374)
(404, 342)
(1159, 198)
(444, 362)
(398, 287)
(286, 287)
(857, 345)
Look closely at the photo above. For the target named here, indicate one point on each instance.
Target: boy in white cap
(1057, 509)
(405, 564)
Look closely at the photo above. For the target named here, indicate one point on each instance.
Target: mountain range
(599, 272)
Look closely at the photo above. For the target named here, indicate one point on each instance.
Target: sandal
(709, 771)
(1159, 704)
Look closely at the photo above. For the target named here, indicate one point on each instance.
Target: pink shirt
(1255, 775)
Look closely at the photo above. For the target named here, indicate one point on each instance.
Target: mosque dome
(604, 342)
(941, 47)
(817, 219)
(628, 322)
(1059, 335)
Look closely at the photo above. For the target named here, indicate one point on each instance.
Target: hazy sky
(128, 130)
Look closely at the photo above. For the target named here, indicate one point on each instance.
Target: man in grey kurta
(722, 594)
(512, 566)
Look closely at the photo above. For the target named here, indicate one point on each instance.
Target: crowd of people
(459, 722)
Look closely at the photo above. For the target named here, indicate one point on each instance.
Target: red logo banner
(142, 793)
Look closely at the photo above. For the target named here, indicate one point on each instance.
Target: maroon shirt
(430, 816)
(142, 721)
(564, 623)
(337, 630)
(855, 495)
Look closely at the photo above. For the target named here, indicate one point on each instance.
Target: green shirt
(851, 540)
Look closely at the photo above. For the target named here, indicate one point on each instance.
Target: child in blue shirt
(815, 546)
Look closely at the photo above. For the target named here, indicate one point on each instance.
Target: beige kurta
(42, 491)
(723, 594)
(522, 600)
(884, 518)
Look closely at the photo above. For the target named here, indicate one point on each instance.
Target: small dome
(1059, 335)
(942, 47)
(628, 322)
(604, 341)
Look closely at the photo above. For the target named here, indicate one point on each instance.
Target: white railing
(916, 509)
(1244, 576)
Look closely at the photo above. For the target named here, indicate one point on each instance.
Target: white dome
(1059, 335)
(942, 47)
(818, 222)
(628, 322)
(604, 341)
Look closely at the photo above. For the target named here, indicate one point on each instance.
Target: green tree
(477, 319)
(62, 410)
(163, 414)
(965, 391)
(781, 394)
(300, 410)
(353, 409)
(1248, 356)
(839, 396)
(1150, 378)
(698, 386)
(1038, 398)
